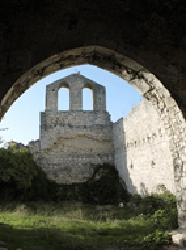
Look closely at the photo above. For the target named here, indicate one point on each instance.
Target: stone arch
(90, 87)
(52, 94)
(61, 87)
(90, 91)
(141, 79)
(64, 85)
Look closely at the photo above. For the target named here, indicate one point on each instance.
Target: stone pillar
(51, 99)
(99, 97)
(103, 98)
(75, 97)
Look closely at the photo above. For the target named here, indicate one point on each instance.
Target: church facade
(71, 140)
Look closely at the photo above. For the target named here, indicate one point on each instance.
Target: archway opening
(63, 98)
(87, 99)
(136, 75)
(126, 100)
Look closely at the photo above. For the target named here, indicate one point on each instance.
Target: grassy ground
(62, 226)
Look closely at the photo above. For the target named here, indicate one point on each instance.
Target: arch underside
(128, 38)
(136, 75)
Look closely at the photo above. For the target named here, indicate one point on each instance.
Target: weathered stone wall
(34, 148)
(138, 145)
(71, 140)
(142, 154)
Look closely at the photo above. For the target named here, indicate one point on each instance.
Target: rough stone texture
(142, 153)
(136, 40)
(138, 145)
(71, 140)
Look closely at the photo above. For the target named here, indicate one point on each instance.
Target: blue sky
(22, 119)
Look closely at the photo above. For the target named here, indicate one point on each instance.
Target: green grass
(56, 226)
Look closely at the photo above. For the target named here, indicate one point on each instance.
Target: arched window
(87, 99)
(63, 98)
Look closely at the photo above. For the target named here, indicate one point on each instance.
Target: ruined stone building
(70, 140)
(143, 44)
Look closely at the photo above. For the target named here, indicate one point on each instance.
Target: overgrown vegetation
(22, 179)
(33, 214)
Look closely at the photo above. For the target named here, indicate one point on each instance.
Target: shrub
(22, 179)
(104, 186)
(155, 238)
(136, 199)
